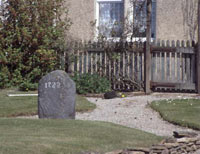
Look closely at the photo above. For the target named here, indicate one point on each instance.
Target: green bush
(91, 83)
(32, 36)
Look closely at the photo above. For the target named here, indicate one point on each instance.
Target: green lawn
(184, 112)
(15, 106)
(22, 136)
(55, 136)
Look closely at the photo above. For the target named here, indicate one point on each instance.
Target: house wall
(176, 20)
(82, 13)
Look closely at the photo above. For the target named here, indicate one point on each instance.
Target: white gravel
(134, 112)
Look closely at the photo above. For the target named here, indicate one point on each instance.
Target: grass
(16, 106)
(22, 136)
(184, 112)
(49, 136)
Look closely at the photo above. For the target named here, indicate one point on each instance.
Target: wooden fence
(172, 64)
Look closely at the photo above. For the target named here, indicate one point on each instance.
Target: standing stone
(56, 96)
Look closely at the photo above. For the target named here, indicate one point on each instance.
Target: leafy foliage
(91, 83)
(31, 33)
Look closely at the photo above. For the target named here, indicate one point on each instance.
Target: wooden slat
(168, 58)
(162, 84)
(193, 71)
(173, 67)
(183, 68)
(162, 49)
(188, 64)
(185, 86)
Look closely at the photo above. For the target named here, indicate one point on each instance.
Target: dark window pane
(140, 19)
(110, 18)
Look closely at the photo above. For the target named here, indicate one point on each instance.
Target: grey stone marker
(56, 96)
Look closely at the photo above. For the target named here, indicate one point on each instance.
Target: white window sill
(117, 39)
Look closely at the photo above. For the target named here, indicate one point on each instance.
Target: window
(110, 15)
(139, 18)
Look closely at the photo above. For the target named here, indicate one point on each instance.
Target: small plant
(91, 83)
(26, 86)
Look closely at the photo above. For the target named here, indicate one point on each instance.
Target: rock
(110, 95)
(158, 147)
(198, 142)
(188, 149)
(169, 140)
(186, 140)
(136, 152)
(171, 145)
(198, 146)
(166, 151)
(145, 150)
(115, 152)
(184, 134)
(56, 96)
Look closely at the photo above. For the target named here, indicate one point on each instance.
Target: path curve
(134, 112)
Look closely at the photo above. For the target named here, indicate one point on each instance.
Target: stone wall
(181, 143)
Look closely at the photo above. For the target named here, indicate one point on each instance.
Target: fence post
(147, 53)
(198, 51)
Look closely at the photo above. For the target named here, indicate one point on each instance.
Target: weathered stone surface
(198, 146)
(188, 149)
(158, 147)
(166, 151)
(115, 152)
(186, 140)
(56, 96)
(171, 145)
(184, 134)
(194, 148)
(198, 142)
(139, 149)
(136, 152)
(169, 140)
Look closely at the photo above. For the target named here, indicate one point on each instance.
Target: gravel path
(134, 112)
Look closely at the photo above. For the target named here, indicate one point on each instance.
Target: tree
(31, 33)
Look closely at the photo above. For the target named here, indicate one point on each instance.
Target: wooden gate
(173, 66)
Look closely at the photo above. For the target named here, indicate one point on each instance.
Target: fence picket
(173, 67)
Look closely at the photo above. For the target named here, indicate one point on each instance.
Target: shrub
(91, 83)
(32, 34)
